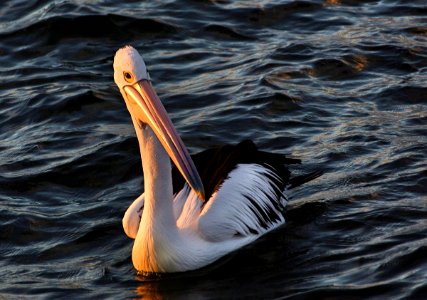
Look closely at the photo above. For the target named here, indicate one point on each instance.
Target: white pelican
(184, 225)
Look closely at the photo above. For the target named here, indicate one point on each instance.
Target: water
(340, 84)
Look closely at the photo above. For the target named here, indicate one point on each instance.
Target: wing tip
(300, 180)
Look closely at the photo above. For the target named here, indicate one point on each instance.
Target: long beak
(157, 118)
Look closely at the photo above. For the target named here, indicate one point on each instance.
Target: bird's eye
(128, 76)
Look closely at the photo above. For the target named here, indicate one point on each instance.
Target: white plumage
(227, 222)
(183, 231)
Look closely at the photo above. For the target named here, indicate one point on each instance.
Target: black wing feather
(215, 164)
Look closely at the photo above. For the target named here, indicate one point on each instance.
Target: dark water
(341, 84)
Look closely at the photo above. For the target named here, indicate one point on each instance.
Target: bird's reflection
(176, 287)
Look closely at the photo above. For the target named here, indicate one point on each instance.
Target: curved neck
(157, 228)
(158, 207)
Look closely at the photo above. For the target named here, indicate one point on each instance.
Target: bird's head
(145, 107)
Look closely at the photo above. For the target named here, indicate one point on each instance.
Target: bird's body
(244, 203)
(182, 223)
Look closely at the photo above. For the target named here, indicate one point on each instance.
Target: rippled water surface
(340, 84)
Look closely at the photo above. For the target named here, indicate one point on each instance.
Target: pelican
(184, 221)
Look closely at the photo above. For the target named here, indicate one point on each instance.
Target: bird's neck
(157, 229)
(156, 164)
